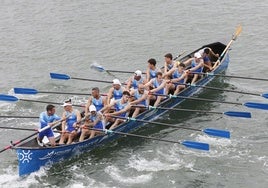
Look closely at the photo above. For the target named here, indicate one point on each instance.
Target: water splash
(122, 177)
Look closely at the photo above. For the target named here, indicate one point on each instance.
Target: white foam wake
(117, 175)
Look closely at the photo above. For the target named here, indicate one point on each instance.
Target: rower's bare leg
(178, 89)
(116, 123)
(158, 100)
(63, 137)
(52, 141)
(71, 137)
(84, 132)
(136, 112)
(194, 78)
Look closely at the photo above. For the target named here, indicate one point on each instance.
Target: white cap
(92, 108)
(197, 55)
(116, 81)
(66, 104)
(138, 73)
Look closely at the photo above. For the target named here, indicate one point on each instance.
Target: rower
(169, 63)
(46, 118)
(96, 99)
(209, 58)
(122, 108)
(197, 64)
(151, 70)
(115, 92)
(159, 85)
(69, 125)
(94, 119)
(140, 98)
(135, 80)
(178, 76)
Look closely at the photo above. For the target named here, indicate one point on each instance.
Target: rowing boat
(31, 157)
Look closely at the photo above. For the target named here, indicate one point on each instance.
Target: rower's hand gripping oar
(208, 131)
(228, 113)
(189, 144)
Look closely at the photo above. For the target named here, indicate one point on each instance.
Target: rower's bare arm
(110, 95)
(188, 62)
(89, 101)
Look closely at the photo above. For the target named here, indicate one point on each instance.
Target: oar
(228, 113)
(34, 91)
(235, 35)
(16, 128)
(19, 117)
(100, 68)
(189, 144)
(262, 106)
(231, 76)
(67, 77)
(12, 144)
(11, 98)
(209, 131)
(265, 95)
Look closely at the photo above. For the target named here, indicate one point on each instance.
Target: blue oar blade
(97, 67)
(30, 91)
(262, 106)
(238, 114)
(218, 133)
(265, 95)
(59, 76)
(196, 145)
(8, 98)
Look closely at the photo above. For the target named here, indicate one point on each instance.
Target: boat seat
(56, 135)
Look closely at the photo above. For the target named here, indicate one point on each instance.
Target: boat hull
(32, 159)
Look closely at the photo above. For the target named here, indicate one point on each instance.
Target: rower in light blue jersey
(122, 109)
(140, 98)
(135, 80)
(46, 118)
(178, 79)
(169, 63)
(115, 92)
(69, 125)
(96, 99)
(94, 119)
(151, 70)
(197, 64)
(159, 85)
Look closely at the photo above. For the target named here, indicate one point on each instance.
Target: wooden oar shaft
(137, 135)
(176, 109)
(19, 117)
(17, 128)
(235, 35)
(220, 89)
(64, 93)
(94, 80)
(197, 98)
(47, 102)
